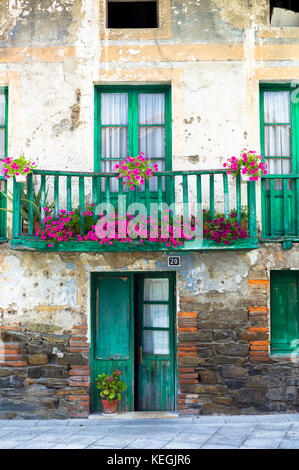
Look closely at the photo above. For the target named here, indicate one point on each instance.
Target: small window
(130, 14)
(284, 311)
(284, 13)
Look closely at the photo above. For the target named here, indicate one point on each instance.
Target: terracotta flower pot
(109, 408)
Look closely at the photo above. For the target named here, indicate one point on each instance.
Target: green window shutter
(132, 126)
(284, 311)
(3, 154)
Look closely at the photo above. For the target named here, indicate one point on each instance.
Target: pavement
(273, 431)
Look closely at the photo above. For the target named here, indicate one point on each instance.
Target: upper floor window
(132, 14)
(284, 13)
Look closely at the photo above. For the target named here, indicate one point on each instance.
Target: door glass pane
(277, 107)
(156, 289)
(114, 108)
(277, 141)
(152, 141)
(2, 143)
(151, 108)
(115, 142)
(155, 342)
(2, 109)
(156, 316)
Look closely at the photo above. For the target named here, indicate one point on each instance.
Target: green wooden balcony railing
(3, 190)
(280, 208)
(191, 190)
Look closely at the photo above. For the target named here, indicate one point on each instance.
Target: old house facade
(190, 83)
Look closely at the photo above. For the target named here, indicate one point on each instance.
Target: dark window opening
(132, 14)
(284, 13)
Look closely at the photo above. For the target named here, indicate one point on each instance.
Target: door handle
(140, 354)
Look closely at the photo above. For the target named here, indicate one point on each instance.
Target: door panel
(113, 343)
(155, 347)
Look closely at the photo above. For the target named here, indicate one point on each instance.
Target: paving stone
(268, 434)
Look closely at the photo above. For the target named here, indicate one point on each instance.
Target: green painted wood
(156, 371)
(113, 334)
(199, 198)
(284, 291)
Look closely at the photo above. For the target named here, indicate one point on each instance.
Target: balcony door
(279, 139)
(131, 120)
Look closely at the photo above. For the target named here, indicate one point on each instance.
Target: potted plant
(135, 171)
(17, 167)
(249, 165)
(110, 387)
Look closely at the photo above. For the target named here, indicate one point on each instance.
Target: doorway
(133, 329)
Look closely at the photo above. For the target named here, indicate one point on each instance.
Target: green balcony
(195, 195)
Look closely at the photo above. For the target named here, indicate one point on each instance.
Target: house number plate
(174, 261)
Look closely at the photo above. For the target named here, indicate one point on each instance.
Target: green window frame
(284, 305)
(3, 184)
(133, 125)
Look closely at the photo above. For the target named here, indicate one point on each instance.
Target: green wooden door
(112, 345)
(284, 311)
(156, 350)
